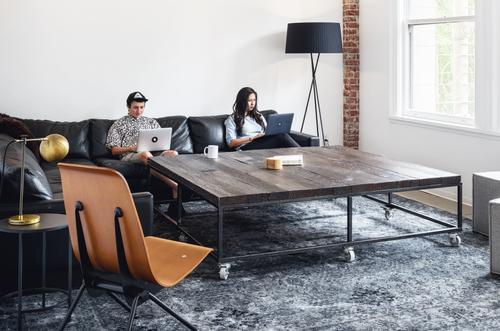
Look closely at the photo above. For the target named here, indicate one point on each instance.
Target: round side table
(48, 223)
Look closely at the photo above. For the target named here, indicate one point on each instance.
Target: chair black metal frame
(136, 292)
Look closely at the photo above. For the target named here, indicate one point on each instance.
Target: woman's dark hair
(240, 108)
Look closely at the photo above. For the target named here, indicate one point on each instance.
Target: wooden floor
(437, 201)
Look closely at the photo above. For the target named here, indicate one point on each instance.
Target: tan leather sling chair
(108, 241)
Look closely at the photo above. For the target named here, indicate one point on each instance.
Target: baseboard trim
(438, 201)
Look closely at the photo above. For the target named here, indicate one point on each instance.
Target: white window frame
(487, 111)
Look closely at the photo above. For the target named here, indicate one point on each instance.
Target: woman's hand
(245, 140)
(169, 153)
(258, 136)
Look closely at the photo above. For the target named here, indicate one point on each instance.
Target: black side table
(48, 222)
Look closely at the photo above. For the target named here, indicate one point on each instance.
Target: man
(124, 133)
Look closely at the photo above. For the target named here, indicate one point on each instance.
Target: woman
(245, 127)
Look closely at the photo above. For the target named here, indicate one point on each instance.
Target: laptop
(279, 123)
(154, 139)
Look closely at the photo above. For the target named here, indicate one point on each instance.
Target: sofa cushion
(99, 128)
(129, 170)
(268, 112)
(54, 177)
(181, 142)
(208, 130)
(75, 132)
(36, 185)
(98, 133)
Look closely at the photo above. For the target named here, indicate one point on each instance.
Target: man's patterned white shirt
(125, 131)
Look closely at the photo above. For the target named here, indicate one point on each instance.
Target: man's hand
(116, 150)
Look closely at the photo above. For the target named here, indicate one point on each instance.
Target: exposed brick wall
(351, 72)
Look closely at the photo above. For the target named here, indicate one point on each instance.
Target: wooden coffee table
(240, 179)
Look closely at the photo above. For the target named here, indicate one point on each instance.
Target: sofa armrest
(304, 139)
(144, 205)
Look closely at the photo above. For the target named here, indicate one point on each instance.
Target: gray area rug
(411, 284)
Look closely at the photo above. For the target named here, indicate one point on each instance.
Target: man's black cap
(135, 96)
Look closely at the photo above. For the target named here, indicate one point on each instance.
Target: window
(439, 61)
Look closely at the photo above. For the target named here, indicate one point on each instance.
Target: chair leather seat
(164, 254)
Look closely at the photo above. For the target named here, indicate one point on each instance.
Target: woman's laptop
(151, 140)
(279, 123)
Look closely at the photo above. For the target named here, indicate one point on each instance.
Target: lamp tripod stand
(314, 38)
(317, 108)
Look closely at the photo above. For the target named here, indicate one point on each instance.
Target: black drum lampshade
(313, 37)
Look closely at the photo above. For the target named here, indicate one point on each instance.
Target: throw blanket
(16, 128)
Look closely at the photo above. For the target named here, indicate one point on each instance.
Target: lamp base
(26, 219)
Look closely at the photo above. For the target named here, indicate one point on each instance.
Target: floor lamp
(314, 37)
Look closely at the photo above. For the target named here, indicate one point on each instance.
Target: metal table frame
(348, 245)
(43, 289)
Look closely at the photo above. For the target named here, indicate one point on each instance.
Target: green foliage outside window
(455, 62)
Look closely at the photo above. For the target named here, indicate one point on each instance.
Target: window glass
(419, 9)
(442, 69)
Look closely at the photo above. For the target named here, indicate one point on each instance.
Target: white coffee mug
(211, 151)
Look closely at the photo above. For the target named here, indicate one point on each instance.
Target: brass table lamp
(53, 148)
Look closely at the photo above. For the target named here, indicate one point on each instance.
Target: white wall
(71, 60)
(458, 152)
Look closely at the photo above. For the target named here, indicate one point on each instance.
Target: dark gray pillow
(36, 186)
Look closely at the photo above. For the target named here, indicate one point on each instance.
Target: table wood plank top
(242, 178)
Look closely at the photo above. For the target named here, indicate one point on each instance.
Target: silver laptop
(279, 123)
(154, 140)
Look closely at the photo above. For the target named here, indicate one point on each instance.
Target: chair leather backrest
(101, 190)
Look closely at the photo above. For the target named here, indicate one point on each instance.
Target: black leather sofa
(87, 139)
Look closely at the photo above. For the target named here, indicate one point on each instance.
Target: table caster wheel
(349, 254)
(388, 213)
(455, 240)
(224, 270)
(183, 238)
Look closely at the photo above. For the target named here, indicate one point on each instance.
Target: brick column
(351, 72)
